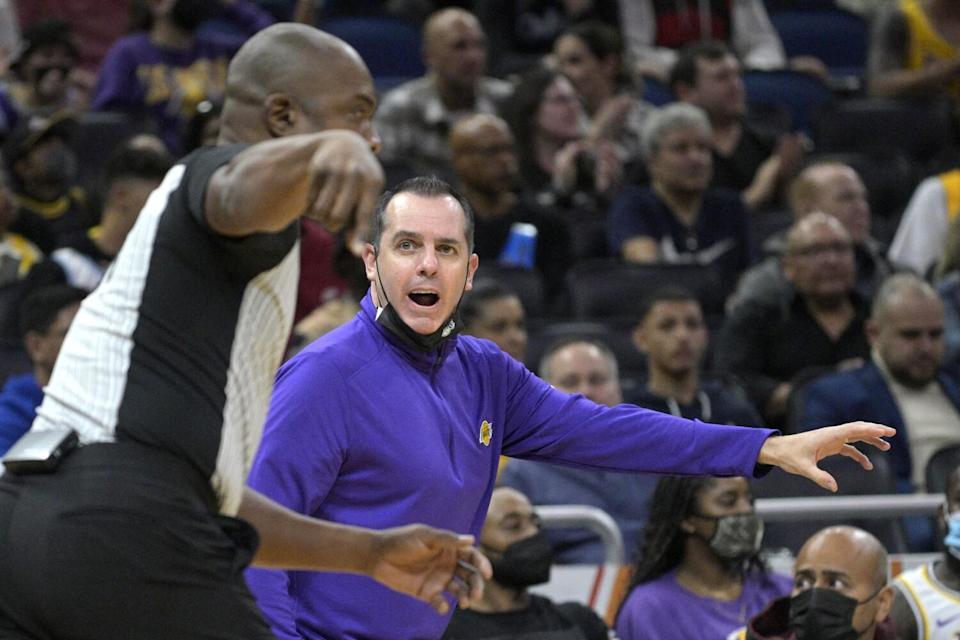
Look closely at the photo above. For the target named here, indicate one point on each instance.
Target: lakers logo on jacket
(486, 432)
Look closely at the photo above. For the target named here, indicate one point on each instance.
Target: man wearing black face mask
(521, 556)
(925, 604)
(51, 207)
(840, 592)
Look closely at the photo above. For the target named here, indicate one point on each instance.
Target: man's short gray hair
(678, 115)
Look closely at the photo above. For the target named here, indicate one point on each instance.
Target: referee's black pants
(122, 542)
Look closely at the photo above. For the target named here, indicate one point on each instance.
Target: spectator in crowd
(840, 590)
(558, 162)
(919, 241)
(745, 157)
(679, 218)
(95, 31)
(131, 174)
(699, 556)
(493, 312)
(415, 119)
(485, 162)
(165, 69)
(904, 383)
(774, 343)
(655, 31)
(47, 80)
(523, 33)
(590, 368)
(45, 316)
(836, 189)
(590, 55)
(909, 56)
(521, 555)
(52, 209)
(672, 333)
(925, 598)
(333, 450)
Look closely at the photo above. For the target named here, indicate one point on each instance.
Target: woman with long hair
(699, 555)
(590, 55)
(559, 163)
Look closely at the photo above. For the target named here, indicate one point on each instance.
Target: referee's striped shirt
(178, 346)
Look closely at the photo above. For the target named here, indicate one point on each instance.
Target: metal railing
(578, 516)
(828, 507)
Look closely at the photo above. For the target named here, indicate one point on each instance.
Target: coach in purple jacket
(394, 418)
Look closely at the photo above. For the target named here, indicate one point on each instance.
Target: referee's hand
(425, 563)
(345, 181)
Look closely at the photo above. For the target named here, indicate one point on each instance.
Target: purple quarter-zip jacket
(363, 430)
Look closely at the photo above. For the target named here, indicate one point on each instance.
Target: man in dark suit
(905, 383)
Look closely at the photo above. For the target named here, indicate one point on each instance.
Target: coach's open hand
(424, 562)
(801, 452)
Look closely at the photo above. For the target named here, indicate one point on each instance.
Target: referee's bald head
(292, 78)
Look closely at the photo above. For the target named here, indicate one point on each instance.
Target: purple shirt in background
(139, 77)
(664, 609)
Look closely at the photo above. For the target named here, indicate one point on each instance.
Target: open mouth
(424, 299)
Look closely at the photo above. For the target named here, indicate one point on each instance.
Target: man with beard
(395, 418)
(904, 383)
(776, 342)
(165, 69)
(839, 591)
(925, 599)
(513, 538)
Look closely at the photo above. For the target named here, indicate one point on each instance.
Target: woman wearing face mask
(699, 556)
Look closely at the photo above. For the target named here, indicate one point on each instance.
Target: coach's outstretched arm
(417, 560)
(800, 453)
(331, 176)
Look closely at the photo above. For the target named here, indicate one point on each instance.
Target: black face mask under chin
(388, 317)
(824, 614)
